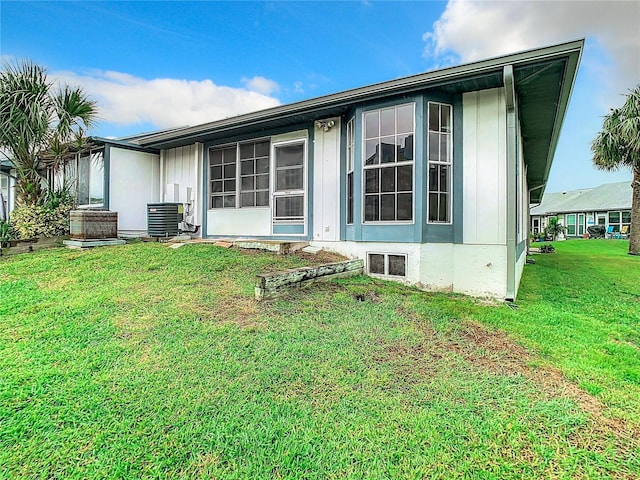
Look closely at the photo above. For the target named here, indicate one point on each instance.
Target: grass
(146, 362)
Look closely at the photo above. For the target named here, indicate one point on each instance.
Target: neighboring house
(608, 205)
(427, 178)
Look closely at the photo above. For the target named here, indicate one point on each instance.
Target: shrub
(5, 233)
(547, 248)
(49, 219)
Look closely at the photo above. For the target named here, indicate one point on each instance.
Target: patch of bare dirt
(240, 310)
(496, 353)
(501, 355)
(320, 258)
(229, 307)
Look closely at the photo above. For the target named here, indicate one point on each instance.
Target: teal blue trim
(420, 172)
(439, 233)
(288, 229)
(106, 172)
(520, 247)
(205, 190)
(309, 189)
(450, 232)
(392, 231)
(255, 136)
(343, 176)
(281, 237)
(399, 233)
(354, 231)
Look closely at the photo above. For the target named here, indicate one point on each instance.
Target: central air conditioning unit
(163, 219)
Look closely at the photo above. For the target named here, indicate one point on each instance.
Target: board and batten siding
(326, 183)
(485, 168)
(183, 166)
(134, 181)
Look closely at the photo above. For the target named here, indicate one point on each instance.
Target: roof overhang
(543, 89)
(543, 79)
(125, 143)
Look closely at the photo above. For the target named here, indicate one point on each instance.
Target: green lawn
(142, 361)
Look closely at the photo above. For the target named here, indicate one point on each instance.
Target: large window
(571, 224)
(222, 168)
(84, 176)
(288, 191)
(350, 162)
(618, 220)
(88, 178)
(388, 163)
(581, 222)
(440, 162)
(254, 174)
(246, 179)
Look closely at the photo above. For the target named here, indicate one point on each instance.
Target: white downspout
(162, 187)
(512, 158)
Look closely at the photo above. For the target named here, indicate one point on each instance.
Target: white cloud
(473, 30)
(125, 99)
(261, 85)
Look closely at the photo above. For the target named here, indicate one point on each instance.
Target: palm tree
(618, 145)
(38, 123)
(554, 228)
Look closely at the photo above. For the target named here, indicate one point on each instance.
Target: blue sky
(152, 65)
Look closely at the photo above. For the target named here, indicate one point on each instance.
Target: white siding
(134, 181)
(249, 222)
(326, 183)
(182, 166)
(484, 178)
(478, 270)
(520, 263)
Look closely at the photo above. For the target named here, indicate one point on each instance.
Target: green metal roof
(544, 79)
(610, 196)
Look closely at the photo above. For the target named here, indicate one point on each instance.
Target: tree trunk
(634, 235)
(28, 188)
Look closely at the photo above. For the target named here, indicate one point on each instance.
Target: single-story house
(427, 178)
(608, 205)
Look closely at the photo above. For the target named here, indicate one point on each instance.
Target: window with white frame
(239, 171)
(254, 174)
(388, 137)
(440, 157)
(289, 188)
(571, 224)
(618, 220)
(222, 175)
(350, 163)
(387, 264)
